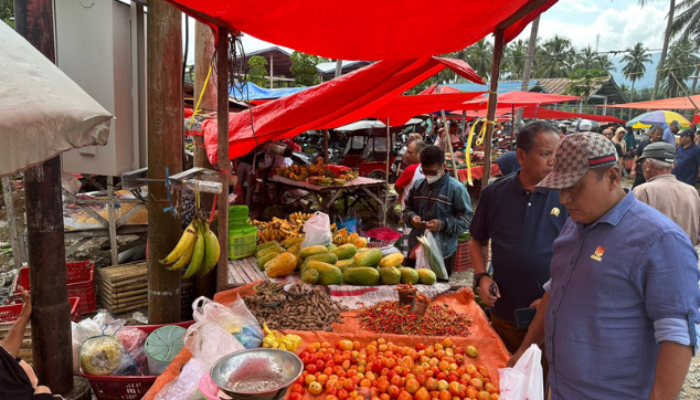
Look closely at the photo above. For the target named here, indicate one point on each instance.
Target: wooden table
(354, 192)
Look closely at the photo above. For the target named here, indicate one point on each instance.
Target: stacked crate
(124, 288)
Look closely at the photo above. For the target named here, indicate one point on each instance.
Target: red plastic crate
(11, 312)
(125, 387)
(80, 277)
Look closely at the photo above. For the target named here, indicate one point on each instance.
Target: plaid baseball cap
(575, 155)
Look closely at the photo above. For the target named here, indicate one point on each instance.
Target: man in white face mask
(438, 203)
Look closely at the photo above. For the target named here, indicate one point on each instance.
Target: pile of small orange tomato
(384, 371)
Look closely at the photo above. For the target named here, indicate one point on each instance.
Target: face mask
(433, 179)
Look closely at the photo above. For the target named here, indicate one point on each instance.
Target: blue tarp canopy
(251, 91)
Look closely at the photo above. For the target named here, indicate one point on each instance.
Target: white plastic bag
(524, 381)
(236, 319)
(187, 383)
(317, 230)
(421, 258)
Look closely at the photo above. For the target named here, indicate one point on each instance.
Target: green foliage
(681, 61)
(480, 56)
(257, 71)
(304, 69)
(7, 12)
(514, 58)
(583, 81)
(555, 58)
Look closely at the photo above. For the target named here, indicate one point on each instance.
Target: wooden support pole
(164, 151)
(112, 223)
(204, 285)
(448, 145)
(388, 164)
(326, 134)
(50, 319)
(12, 221)
(223, 155)
(493, 102)
(203, 53)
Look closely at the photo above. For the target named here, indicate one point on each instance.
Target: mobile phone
(524, 317)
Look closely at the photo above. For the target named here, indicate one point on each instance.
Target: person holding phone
(438, 203)
(521, 222)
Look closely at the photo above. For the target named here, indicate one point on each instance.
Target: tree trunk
(664, 50)
(532, 47)
(165, 121)
(203, 52)
(338, 68)
(629, 113)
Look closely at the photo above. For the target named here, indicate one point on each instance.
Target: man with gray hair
(675, 199)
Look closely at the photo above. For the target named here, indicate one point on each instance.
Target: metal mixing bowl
(256, 373)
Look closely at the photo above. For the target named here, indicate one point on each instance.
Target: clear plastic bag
(133, 340)
(236, 319)
(432, 252)
(104, 355)
(186, 385)
(212, 336)
(92, 327)
(524, 381)
(317, 230)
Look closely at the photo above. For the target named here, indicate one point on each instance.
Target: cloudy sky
(616, 24)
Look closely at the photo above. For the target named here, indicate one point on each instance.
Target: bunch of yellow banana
(271, 234)
(198, 248)
(343, 237)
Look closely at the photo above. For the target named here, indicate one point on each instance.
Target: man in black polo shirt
(521, 222)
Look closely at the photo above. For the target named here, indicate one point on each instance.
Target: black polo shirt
(522, 226)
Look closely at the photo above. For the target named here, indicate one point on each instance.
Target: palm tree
(603, 62)
(634, 60)
(686, 24)
(586, 58)
(558, 60)
(479, 56)
(681, 63)
(515, 58)
(664, 50)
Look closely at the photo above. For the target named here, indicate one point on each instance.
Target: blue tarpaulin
(251, 91)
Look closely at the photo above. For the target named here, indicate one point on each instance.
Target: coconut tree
(687, 24)
(664, 49)
(586, 58)
(515, 58)
(635, 60)
(558, 59)
(681, 63)
(479, 56)
(603, 62)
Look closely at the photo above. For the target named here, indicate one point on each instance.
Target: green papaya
(263, 246)
(390, 275)
(427, 277)
(272, 249)
(345, 251)
(365, 276)
(331, 247)
(369, 258)
(409, 275)
(328, 258)
(262, 260)
(331, 277)
(310, 276)
(311, 250)
(319, 266)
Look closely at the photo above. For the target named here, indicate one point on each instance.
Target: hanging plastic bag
(317, 230)
(421, 258)
(433, 253)
(524, 381)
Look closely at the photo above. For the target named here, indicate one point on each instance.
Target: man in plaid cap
(620, 313)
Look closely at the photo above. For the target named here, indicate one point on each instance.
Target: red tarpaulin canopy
(335, 103)
(676, 103)
(545, 113)
(519, 99)
(436, 89)
(402, 108)
(368, 29)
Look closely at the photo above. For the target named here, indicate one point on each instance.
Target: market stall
(363, 191)
(490, 351)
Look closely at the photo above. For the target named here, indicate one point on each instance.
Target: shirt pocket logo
(555, 211)
(598, 255)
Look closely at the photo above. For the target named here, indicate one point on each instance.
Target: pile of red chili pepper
(391, 317)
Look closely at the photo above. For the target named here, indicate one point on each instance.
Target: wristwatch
(477, 279)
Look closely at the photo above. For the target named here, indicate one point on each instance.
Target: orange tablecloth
(492, 352)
